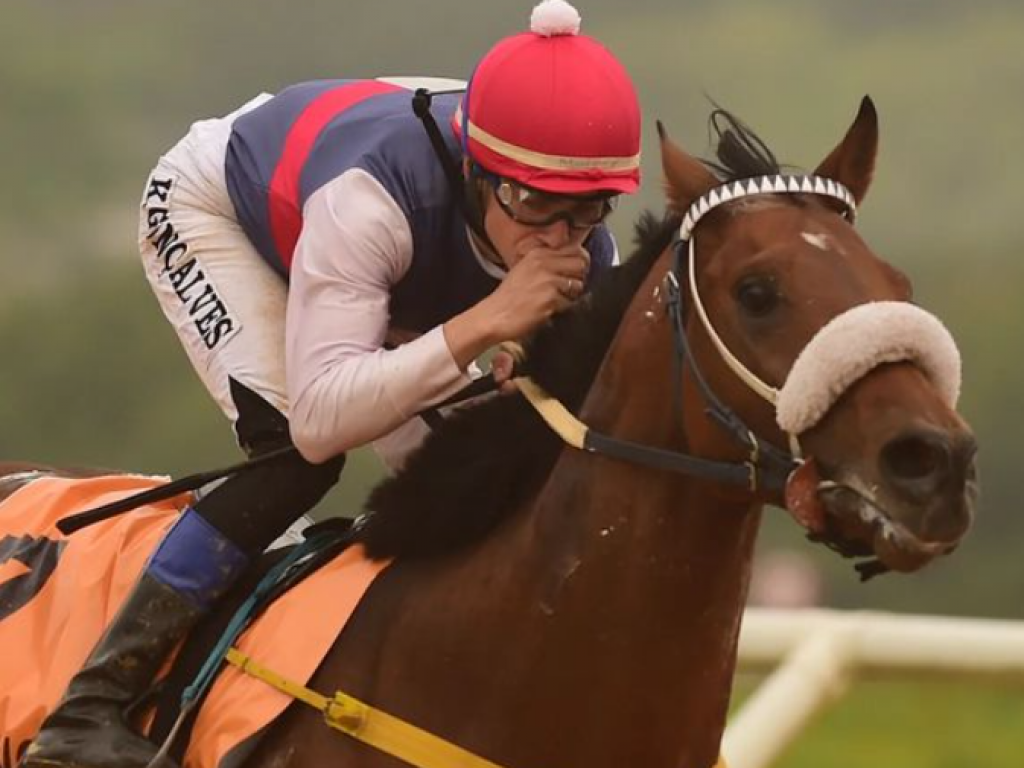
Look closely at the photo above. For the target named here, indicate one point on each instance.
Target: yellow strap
(370, 726)
(515, 349)
(558, 417)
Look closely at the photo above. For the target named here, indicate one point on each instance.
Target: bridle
(807, 394)
(729, 193)
(767, 467)
(764, 457)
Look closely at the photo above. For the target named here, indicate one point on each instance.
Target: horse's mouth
(857, 515)
(846, 513)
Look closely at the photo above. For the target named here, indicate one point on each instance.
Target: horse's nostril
(913, 457)
(964, 457)
(916, 463)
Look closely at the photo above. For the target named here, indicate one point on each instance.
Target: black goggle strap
(770, 467)
(421, 102)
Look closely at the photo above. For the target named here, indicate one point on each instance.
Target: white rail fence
(817, 654)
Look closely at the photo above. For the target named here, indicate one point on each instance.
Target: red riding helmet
(553, 109)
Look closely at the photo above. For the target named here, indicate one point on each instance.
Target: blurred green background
(91, 94)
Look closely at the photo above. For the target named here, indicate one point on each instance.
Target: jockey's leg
(197, 562)
(191, 245)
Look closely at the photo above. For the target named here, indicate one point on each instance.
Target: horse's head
(812, 321)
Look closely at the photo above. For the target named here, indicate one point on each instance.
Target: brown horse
(555, 607)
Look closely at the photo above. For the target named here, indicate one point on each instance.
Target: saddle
(52, 627)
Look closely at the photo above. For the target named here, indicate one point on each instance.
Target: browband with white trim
(765, 185)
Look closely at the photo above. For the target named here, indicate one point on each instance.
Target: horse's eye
(757, 295)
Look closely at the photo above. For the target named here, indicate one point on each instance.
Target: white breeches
(223, 300)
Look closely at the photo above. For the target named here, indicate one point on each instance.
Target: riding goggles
(535, 208)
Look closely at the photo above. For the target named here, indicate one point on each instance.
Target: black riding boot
(193, 566)
(198, 561)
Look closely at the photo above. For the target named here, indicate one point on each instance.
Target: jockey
(334, 258)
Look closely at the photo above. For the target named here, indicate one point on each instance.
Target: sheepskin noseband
(854, 343)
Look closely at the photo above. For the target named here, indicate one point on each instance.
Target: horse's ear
(686, 178)
(852, 162)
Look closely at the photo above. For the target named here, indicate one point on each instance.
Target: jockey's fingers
(575, 259)
(568, 266)
(567, 290)
(569, 287)
(502, 366)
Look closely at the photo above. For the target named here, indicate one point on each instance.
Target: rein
(79, 520)
(762, 471)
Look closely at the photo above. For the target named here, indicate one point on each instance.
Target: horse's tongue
(802, 497)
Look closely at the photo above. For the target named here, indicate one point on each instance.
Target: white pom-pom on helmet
(555, 17)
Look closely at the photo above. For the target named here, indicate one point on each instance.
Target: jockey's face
(515, 229)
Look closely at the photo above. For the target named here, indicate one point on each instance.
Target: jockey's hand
(543, 282)
(502, 369)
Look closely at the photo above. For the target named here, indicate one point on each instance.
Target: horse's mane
(484, 463)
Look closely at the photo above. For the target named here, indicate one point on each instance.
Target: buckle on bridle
(754, 460)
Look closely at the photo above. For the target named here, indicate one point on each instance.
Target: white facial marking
(818, 241)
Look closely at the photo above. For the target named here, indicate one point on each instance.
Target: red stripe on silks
(283, 198)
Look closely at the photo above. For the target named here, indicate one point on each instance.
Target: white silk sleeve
(344, 389)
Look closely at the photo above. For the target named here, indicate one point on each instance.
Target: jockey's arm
(345, 390)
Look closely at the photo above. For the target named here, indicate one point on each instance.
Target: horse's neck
(642, 574)
(597, 627)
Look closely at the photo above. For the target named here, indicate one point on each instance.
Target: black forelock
(740, 153)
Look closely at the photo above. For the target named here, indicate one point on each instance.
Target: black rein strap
(80, 520)
(768, 467)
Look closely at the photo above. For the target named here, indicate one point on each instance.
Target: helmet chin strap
(464, 188)
(473, 212)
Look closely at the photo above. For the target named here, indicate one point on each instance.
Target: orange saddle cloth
(58, 592)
